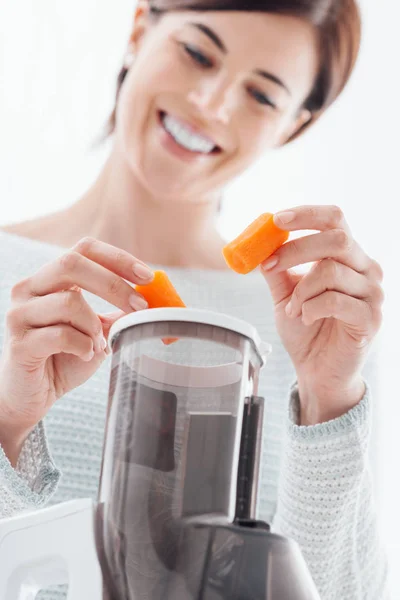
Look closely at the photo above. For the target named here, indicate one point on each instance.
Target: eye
(197, 56)
(261, 98)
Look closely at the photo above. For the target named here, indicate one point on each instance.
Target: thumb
(281, 284)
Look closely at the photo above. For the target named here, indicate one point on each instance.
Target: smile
(185, 137)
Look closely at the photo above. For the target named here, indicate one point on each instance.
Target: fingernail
(285, 216)
(142, 271)
(98, 344)
(137, 302)
(289, 309)
(269, 264)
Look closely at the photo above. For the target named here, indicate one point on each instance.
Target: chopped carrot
(160, 293)
(255, 244)
(168, 341)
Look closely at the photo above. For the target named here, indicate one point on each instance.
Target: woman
(199, 100)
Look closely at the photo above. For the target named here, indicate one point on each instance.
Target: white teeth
(185, 138)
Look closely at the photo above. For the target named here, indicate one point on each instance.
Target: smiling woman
(197, 70)
(206, 89)
(337, 25)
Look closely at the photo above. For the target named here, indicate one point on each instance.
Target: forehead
(258, 40)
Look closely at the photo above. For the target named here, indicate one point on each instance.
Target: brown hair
(337, 21)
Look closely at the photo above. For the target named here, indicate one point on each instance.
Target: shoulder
(21, 256)
(36, 229)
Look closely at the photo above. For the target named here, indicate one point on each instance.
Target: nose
(214, 99)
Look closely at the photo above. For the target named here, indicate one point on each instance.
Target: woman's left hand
(328, 317)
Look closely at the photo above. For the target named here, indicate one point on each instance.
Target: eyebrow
(212, 35)
(273, 78)
(221, 46)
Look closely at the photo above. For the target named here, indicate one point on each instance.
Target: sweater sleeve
(325, 503)
(33, 482)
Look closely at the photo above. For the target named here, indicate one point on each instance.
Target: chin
(174, 193)
(169, 179)
(173, 184)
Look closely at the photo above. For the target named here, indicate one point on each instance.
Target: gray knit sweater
(315, 483)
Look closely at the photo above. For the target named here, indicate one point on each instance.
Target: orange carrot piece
(255, 244)
(160, 293)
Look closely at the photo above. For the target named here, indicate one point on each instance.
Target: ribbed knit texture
(320, 494)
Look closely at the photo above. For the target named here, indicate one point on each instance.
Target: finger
(375, 271)
(334, 243)
(115, 259)
(312, 217)
(40, 344)
(63, 307)
(352, 311)
(108, 320)
(281, 284)
(330, 275)
(73, 269)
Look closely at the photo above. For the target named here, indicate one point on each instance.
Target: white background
(59, 61)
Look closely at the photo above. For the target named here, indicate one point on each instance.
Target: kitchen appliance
(176, 514)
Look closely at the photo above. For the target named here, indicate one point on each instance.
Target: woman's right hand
(54, 340)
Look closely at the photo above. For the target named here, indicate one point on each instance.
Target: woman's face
(208, 93)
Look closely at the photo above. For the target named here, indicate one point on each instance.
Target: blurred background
(58, 67)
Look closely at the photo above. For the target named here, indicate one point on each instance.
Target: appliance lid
(192, 315)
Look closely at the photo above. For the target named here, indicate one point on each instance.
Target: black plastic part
(249, 454)
(253, 524)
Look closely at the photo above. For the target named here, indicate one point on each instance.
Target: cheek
(127, 109)
(134, 100)
(258, 134)
(158, 69)
(150, 77)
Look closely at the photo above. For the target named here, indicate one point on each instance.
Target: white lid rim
(191, 315)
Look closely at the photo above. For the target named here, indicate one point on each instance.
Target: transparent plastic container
(176, 516)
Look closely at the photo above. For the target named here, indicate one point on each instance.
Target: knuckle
(20, 289)
(97, 332)
(312, 213)
(98, 327)
(120, 257)
(14, 318)
(333, 301)
(69, 261)
(378, 295)
(377, 271)
(342, 240)
(84, 245)
(61, 336)
(329, 268)
(336, 215)
(71, 301)
(115, 286)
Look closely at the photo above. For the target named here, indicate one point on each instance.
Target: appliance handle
(50, 546)
(250, 459)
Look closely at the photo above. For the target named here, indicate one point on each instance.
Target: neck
(119, 210)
